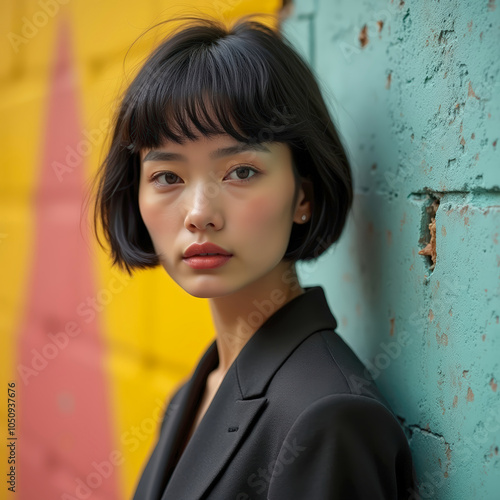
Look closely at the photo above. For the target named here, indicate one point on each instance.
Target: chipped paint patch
(470, 395)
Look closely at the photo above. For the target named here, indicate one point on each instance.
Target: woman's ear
(304, 204)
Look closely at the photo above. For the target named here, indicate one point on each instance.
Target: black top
(296, 417)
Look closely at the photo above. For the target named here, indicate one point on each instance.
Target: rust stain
(495, 238)
(491, 5)
(462, 141)
(450, 313)
(455, 401)
(374, 166)
(493, 385)
(483, 337)
(391, 331)
(471, 92)
(430, 248)
(370, 228)
(470, 395)
(476, 157)
(380, 25)
(389, 237)
(403, 220)
(363, 36)
(388, 82)
(463, 210)
(469, 25)
(465, 373)
(442, 406)
(442, 339)
(443, 230)
(473, 136)
(448, 457)
(431, 315)
(494, 143)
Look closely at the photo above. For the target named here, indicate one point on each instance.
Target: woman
(226, 169)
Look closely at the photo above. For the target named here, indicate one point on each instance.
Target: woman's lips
(206, 261)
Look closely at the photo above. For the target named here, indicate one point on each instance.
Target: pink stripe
(64, 422)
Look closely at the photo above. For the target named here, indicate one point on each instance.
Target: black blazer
(295, 418)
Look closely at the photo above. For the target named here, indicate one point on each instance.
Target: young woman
(225, 168)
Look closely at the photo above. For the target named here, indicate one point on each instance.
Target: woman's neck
(238, 316)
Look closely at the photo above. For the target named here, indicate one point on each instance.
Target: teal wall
(414, 88)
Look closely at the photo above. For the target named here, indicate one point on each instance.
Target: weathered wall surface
(414, 87)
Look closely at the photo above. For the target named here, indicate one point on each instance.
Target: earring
(304, 217)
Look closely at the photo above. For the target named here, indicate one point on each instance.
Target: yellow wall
(153, 332)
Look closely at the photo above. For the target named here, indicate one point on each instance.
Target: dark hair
(258, 89)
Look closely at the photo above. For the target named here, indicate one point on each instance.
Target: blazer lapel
(163, 459)
(239, 400)
(214, 441)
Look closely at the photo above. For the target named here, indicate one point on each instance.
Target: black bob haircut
(246, 81)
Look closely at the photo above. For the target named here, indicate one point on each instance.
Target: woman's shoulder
(324, 368)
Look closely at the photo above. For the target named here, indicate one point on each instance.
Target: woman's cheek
(156, 218)
(263, 213)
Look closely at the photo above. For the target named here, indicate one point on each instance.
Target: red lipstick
(205, 256)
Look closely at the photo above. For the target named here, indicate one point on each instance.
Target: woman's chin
(204, 288)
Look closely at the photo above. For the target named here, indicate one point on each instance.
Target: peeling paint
(430, 248)
(388, 82)
(471, 92)
(363, 36)
(442, 339)
(470, 395)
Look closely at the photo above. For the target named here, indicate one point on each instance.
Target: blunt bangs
(246, 81)
(208, 84)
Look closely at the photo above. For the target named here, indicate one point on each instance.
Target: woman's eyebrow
(157, 155)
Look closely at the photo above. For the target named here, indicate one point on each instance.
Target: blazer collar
(278, 336)
(238, 402)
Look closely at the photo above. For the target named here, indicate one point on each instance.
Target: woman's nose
(203, 207)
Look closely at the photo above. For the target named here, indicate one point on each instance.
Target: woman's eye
(245, 171)
(170, 178)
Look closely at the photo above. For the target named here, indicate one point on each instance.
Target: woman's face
(208, 191)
